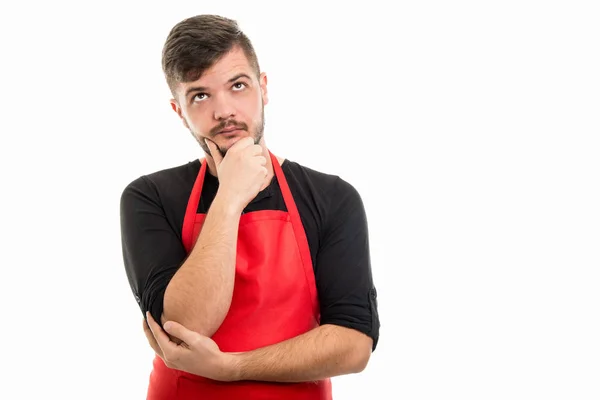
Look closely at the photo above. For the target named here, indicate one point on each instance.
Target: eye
(239, 86)
(200, 97)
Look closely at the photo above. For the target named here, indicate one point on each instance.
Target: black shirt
(153, 208)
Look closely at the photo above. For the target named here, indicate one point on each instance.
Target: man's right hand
(242, 172)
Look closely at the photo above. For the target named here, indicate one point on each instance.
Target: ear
(263, 87)
(175, 106)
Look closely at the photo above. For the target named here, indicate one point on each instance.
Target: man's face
(225, 104)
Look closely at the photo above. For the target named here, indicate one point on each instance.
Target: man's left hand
(196, 354)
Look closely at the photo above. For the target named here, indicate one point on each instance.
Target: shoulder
(320, 183)
(334, 203)
(164, 183)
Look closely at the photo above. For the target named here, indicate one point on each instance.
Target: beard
(258, 133)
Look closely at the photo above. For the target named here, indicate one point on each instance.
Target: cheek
(256, 109)
(199, 123)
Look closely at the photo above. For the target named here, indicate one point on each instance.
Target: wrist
(227, 205)
(232, 367)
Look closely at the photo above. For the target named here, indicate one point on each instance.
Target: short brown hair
(196, 43)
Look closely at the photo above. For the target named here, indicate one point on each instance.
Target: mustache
(228, 124)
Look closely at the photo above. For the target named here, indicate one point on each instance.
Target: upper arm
(347, 294)
(152, 250)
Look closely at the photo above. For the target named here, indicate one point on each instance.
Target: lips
(230, 129)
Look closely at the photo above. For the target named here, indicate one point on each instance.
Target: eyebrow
(204, 89)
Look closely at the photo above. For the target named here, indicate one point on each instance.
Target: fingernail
(167, 325)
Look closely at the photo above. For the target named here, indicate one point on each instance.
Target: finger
(161, 337)
(175, 329)
(243, 144)
(152, 340)
(257, 150)
(214, 151)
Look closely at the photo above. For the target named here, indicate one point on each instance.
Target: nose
(223, 108)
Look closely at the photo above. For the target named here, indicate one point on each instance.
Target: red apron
(274, 299)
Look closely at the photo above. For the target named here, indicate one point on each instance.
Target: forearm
(323, 352)
(199, 294)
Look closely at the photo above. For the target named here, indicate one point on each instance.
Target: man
(257, 268)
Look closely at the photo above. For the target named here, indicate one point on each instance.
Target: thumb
(214, 151)
(181, 332)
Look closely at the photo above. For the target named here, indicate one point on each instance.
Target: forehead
(232, 63)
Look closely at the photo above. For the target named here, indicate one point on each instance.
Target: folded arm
(194, 290)
(349, 328)
(200, 293)
(323, 352)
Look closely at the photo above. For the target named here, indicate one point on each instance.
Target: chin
(230, 140)
(226, 142)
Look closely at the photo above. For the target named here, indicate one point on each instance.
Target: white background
(470, 129)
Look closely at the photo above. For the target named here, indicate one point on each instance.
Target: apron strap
(187, 232)
(299, 233)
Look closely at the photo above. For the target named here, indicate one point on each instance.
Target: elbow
(356, 351)
(362, 354)
(177, 310)
(188, 322)
(174, 310)
(361, 361)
